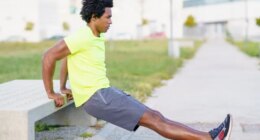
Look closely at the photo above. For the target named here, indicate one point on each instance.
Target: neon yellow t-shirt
(86, 64)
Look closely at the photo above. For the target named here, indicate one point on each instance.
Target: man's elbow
(47, 57)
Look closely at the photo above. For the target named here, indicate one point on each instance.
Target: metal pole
(142, 18)
(246, 19)
(170, 43)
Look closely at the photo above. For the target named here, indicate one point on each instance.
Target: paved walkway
(219, 80)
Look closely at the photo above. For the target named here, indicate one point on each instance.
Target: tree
(145, 22)
(65, 26)
(29, 26)
(258, 21)
(190, 22)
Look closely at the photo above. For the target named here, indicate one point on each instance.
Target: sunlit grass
(22, 60)
(134, 66)
(250, 48)
(138, 67)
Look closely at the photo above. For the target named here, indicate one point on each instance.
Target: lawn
(250, 48)
(134, 66)
(21, 60)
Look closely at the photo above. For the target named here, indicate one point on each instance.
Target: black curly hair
(94, 8)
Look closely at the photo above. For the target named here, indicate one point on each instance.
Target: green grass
(189, 52)
(86, 135)
(138, 67)
(134, 66)
(22, 60)
(40, 126)
(20, 67)
(250, 48)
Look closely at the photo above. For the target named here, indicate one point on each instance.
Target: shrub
(258, 21)
(65, 26)
(86, 135)
(145, 22)
(29, 26)
(190, 22)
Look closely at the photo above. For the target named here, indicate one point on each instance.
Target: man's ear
(93, 17)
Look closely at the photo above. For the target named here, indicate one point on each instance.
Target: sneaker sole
(230, 128)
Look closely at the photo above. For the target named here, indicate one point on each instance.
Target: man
(85, 53)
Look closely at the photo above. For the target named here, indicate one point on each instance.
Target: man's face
(103, 23)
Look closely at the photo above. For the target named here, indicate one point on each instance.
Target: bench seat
(24, 102)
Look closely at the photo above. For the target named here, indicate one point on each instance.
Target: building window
(192, 3)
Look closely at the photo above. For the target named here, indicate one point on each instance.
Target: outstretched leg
(118, 108)
(170, 129)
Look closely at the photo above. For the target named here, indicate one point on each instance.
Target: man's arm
(63, 79)
(59, 51)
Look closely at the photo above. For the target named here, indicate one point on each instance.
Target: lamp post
(173, 46)
(246, 20)
(170, 43)
(142, 18)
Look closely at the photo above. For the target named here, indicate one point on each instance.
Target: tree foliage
(258, 21)
(29, 26)
(145, 22)
(190, 22)
(65, 26)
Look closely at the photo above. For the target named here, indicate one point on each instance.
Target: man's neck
(94, 30)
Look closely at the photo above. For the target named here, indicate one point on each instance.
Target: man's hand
(67, 92)
(58, 99)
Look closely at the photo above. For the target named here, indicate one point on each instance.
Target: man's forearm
(48, 68)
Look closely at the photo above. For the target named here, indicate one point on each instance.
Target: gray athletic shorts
(115, 106)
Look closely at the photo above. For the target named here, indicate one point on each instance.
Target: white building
(14, 16)
(219, 17)
(46, 16)
(132, 19)
(213, 17)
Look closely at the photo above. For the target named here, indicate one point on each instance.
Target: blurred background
(37, 20)
(144, 36)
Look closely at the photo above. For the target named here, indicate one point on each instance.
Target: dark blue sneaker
(222, 132)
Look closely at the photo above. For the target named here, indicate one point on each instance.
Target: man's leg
(118, 108)
(170, 129)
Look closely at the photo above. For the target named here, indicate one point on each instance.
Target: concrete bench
(24, 102)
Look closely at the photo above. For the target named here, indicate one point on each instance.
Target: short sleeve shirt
(86, 64)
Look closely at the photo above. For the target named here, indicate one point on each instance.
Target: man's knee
(151, 119)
